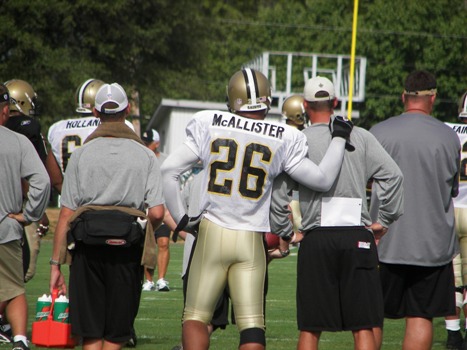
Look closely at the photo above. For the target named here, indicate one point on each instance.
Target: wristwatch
(284, 253)
(54, 262)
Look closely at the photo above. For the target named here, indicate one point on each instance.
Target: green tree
(400, 36)
(187, 50)
(57, 44)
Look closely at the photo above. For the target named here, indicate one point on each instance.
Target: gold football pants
(460, 263)
(224, 256)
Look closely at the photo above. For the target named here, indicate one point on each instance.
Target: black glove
(287, 237)
(342, 127)
(188, 224)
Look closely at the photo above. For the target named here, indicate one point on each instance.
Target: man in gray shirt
(416, 254)
(112, 170)
(19, 161)
(338, 251)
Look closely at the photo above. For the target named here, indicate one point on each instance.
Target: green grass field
(158, 323)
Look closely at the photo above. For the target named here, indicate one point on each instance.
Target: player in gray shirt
(338, 250)
(416, 254)
(19, 161)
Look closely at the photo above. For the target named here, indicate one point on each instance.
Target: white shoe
(148, 286)
(162, 285)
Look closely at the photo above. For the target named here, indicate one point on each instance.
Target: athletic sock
(453, 325)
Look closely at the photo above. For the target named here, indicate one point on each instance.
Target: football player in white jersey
(242, 153)
(455, 339)
(66, 135)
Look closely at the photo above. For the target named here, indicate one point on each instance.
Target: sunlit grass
(158, 323)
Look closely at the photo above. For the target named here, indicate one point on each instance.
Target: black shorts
(162, 231)
(105, 291)
(338, 284)
(418, 291)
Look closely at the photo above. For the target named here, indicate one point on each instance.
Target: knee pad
(457, 267)
(253, 335)
(459, 298)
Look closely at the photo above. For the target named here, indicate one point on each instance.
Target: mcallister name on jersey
(75, 124)
(253, 125)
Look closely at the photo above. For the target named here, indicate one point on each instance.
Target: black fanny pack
(106, 227)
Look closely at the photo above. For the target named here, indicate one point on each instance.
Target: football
(272, 240)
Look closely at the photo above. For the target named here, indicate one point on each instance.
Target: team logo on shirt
(25, 122)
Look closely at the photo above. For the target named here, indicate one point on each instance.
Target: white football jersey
(242, 157)
(66, 135)
(461, 130)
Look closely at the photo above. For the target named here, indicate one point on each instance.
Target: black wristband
(340, 133)
(183, 222)
(181, 225)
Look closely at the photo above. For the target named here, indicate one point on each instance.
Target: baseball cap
(150, 135)
(111, 93)
(319, 84)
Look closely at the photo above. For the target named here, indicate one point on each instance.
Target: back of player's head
(23, 98)
(294, 110)
(86, 94)
(248, 91)
(420, 83)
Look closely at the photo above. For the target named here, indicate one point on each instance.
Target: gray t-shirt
(428, 153)
(112, 171)
(369, 160)
(162, 157)
(20, 160)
